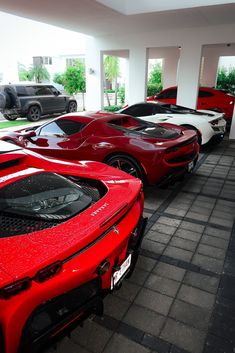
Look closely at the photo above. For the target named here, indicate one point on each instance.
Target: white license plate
(117, 275)
(190, 166)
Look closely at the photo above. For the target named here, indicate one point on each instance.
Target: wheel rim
(34, 113)
(72, 107)
(125, 166)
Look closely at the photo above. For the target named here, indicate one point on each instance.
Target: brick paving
(181, 297)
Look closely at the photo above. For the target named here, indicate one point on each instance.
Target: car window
(42, 91)
(61, 128)
(140, 110)
(54, 90)
(168, 94)
(205, 94)
(21, 91)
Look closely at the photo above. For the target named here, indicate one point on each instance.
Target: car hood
(23, 255)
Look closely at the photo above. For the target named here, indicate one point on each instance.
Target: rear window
(139, 110)
(44, 196)
(21, 91)
(60, 128)
(168, 94)
(205, 94)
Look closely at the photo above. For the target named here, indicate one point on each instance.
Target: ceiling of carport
(93, 18)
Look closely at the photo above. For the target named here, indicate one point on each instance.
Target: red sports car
(153, 152)
(208, 98)
(70, 233)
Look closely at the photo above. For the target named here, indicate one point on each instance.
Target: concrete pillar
(209, 70)
(188, 75)
(137, 75)
(232, 130)
(94, 76)
(169, 70)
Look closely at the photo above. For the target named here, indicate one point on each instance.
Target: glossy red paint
(101, 232)
(103, 136)
(208, 98)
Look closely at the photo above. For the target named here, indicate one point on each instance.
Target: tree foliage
(39, 73)
(23, 73)
(74, 79)
(111, 72)
(226, 79)
(155, 80)
(58, 78)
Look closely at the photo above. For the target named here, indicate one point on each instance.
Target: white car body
(210, 124)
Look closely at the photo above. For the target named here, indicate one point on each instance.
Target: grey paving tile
(188, 234)
(92, 336)
(128, 291)
(121, 344)
(211, 251)
(200, 210)
(159, 237)
(68, 346)
(145, 319)
(154, 301)
(198, 216)
(165, 270)
(176, 211)
(162, 228)
(214, 241)
(223, 215)
(196, 296)
(183, 336)
(115, 307)
(178, 253)
(183, 243)
(138, 276)
(221, 221)
(208, 263)
(192, 226)
(219, 233)
(153, 246)
(145, 263)
(207, 283)
(162, 285)
(169, 221)
(191, 315)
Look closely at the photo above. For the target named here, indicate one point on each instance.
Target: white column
(169, 72)
(210, 67)
(232, 130)
(137, 75)
(94, 76)
(188, 75)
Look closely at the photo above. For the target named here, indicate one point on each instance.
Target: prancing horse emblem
(115, 230)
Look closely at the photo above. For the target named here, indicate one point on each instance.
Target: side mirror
(29, 134)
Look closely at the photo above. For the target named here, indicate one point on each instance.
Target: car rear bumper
(46, 310)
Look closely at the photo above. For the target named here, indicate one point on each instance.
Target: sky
(21, 39)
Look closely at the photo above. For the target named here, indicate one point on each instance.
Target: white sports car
(210, 125)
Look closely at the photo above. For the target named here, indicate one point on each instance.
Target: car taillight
(48, 272)
(15, 288)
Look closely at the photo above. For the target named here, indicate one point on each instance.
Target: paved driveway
(181, 296)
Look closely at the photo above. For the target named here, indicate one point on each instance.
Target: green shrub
(153, 88)
(121, 93)
(112, 108)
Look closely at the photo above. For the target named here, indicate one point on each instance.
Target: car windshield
(45, 196)
(144, 128)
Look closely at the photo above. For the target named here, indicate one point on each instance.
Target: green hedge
(112, 108)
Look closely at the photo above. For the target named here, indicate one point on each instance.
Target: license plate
(118, 275)
(190, 166)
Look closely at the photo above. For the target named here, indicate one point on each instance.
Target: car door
(59, 100)
(60, 138)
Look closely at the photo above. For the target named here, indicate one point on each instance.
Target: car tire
(10, 117)
(126, 164)
(34, 113)
(72, 107)
(199, 137)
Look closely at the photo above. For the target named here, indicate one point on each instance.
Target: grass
(6, 124)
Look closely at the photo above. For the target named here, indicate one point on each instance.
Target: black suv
(33, 100)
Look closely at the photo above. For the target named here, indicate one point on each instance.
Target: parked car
(33, 100)
(70, 233)
(153, 153)
(208, 98)
(209, 125)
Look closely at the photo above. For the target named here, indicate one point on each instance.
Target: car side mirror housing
(29, 134)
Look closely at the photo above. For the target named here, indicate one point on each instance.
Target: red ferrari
(70, 233)
(208, 98)
(152, 152)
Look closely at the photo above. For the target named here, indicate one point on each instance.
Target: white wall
(191, 41)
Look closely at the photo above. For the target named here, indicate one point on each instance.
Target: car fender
(29, 104)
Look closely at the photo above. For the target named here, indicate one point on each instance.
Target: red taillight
(48, 272)
(15, 288)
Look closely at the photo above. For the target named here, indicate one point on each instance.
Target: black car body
(33, 100)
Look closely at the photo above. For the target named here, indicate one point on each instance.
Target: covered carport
(181, 297)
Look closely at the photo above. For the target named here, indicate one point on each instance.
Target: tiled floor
(181, 295)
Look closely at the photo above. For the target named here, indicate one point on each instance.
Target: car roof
(88, 117)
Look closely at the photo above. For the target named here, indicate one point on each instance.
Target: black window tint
(205, 94)
(140, 110)
(30, 90)
(61, 128)
(42, 91)
(169, 94)
(54, 90)
(21, 91)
